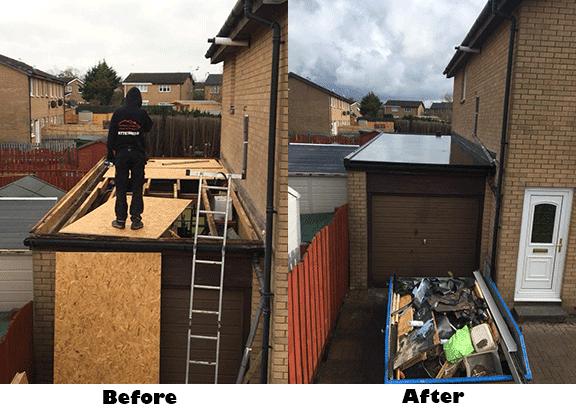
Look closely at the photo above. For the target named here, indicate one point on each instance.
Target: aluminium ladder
(195, 261)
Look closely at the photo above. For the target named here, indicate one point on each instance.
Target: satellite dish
(60, 102)
(52, 104)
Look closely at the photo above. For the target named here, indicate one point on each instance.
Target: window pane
(543, 223)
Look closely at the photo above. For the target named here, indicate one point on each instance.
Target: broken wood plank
(404, 326)
(209, 216)
(245, 227)
(83, 208)
(20, 378)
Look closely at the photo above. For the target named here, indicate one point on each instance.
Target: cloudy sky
(397, 48)
(132, 35)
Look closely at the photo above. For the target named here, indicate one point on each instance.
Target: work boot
(119, 224)
(136, 224)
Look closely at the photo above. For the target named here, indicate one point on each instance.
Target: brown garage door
(423, 235)
(174, 327)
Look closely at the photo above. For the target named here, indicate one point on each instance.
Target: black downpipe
(265, 291)
(503, 143)
(245, 146)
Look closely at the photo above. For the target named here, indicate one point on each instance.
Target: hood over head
(133, 98)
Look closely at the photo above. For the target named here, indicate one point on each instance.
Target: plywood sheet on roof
(159, 214)
(175, 168)
(107, 318)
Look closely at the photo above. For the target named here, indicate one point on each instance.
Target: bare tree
(448, 98)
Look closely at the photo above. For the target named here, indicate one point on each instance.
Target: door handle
(559, 245)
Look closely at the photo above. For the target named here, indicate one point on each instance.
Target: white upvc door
(543, 240)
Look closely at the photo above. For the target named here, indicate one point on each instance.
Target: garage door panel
(174, 328)
(417, 235)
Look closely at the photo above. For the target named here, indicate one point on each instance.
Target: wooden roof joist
(85, 213)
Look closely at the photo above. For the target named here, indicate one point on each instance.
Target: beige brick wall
(40, 102)
(44, 267)
(358, 229)
(309, 108)
(246, 86)
(15, 112)
(542, 139)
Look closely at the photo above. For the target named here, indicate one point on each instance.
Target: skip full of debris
(442, 328)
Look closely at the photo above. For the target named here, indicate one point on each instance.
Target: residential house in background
(315, 109)
(442, 110)
(401, 109)
(160, 88)
(535, 242)
(245, 107)
(73, 91)
(355, 112)
(213, 87)
(32, 99)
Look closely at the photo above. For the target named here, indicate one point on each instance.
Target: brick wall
(44, 267)
(246, 86)
(15, 112)
(309, 109)
(542, 135)
(358, 229)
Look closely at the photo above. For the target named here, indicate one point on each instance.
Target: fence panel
(16, 346)
(316, 287)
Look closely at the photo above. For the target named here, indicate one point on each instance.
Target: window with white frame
(142, 87)
(145, 102)
(215, 89)
(164, 88)
(68, 88)
(31, 86)
(395, 109)
(408, 109)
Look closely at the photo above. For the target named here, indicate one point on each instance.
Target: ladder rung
(203, 363)
(215, 187)
(208, 262)
(203, 236)
(205, 312)
(212, 212)
(204, 337)
(207, 287)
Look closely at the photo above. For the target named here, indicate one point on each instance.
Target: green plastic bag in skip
(459, 345)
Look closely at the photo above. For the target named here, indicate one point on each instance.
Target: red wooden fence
(316, 290)
(16, 346)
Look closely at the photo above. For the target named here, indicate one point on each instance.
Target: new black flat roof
(410, 152)
(308, 158)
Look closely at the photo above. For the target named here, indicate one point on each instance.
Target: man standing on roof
(127, 151)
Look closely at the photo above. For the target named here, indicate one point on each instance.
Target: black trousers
(129, 165)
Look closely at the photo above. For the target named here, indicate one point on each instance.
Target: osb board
(175, 168)
(107, 318)
(159, 214)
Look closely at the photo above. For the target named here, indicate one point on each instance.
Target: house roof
(319, 87)
(18, 216)
(68, 80)
(158, 77)
(403, 103)
(235, 24)
(213, 79)
(28, 69)
(485, 24)
(307, 158)
(441, 105)
(419, 152)
(30, 186)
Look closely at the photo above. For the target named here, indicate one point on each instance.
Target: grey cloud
(397, 48)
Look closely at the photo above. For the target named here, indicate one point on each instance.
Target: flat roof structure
(317, 159)
(410, 152)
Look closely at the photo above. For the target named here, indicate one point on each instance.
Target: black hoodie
(128, 125)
